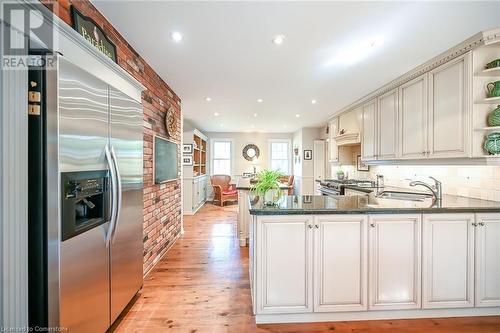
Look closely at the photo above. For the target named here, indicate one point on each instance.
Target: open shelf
(490, 100)
(488, 128)
(491, 72)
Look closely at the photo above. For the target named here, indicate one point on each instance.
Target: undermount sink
(410, 196)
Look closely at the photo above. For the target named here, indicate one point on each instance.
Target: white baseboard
(374, 315)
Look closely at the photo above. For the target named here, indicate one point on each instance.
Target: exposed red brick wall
(162, 203)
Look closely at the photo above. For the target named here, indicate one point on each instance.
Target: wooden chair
(288, 180)
(223, 191)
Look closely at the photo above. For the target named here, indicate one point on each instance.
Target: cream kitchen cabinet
(395, 262)
(333, 149)
(449, 109)
(487, 255)
(369, 131)
(340, 263)
(413, 118)
(285, 267)
(387, 126)
(448, 260)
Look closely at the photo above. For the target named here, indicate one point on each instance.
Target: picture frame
(187, 148)
(308, 154)
(187, 160)
(360, 165)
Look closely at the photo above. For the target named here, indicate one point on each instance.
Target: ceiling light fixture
(216, 114)
(255, 114)
(278, 39)
(208, 99)
(176, 36)
(297, 115)
(221, 125)
(260, 100)
(313, 101)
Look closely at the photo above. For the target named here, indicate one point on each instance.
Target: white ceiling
(227, 53)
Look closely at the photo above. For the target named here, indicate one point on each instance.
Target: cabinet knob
(316, 226)
(481, 224)
(372, 225)
(474, 224)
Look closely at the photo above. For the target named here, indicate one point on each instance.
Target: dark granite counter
(316, 204)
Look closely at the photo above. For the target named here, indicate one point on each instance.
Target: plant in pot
(268, 186)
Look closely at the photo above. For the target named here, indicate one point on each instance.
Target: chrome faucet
(436, 189)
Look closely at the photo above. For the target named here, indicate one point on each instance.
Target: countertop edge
(262, 212)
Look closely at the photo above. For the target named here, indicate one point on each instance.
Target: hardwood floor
(202, 285)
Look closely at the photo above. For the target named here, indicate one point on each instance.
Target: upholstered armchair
(289, 181)
(223, 191)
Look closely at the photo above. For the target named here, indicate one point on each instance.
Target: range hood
(348, 139)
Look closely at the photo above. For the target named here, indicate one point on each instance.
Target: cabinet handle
(474, 224)
(481, 224)
(310, 226)
(372, 225)
(316, 226)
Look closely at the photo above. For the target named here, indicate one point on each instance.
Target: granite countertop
(356, 204)
(244, 184)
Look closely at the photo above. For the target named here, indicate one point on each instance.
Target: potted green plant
(268, 186)
(340, 174)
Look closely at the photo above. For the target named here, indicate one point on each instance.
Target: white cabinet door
(196, 193)
(449, 109)
(284, 278)
(395, 262)
(448, 261)
(368, 141)
(487, 260)
(413, 118)
(333, 149)
(387, 126)
(340, 263)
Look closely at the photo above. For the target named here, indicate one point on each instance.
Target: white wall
(240, 140)
(481, 182)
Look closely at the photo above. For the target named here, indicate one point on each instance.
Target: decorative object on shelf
(187, 160)
(170, 121)
(187, 148)
(251, 152)
(360, 165)
(492, 143)
(268, 186)
(308, 155)
(493, 89)
(307, 199)
(91, 31)
(340, 175)
(341, 132)
(493, 64)
(494, 117)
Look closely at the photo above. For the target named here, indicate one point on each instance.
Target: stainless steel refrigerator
(92, 169)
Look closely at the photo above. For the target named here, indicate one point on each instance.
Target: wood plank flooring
(202, 286)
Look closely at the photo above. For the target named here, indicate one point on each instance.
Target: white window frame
(270, 153)
(231, 158)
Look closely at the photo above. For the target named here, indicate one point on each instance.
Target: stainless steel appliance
(334, 187)
(93, 179)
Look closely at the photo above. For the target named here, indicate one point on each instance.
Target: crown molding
(480, 39)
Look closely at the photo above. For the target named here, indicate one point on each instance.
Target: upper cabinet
(387, 143)
(449, 109)
(413, 118)
(333, 149)
(369, 131)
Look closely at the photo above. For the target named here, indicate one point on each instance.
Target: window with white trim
(280, 156)
(221, 157)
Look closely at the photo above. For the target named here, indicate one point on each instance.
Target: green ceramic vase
(493, 89)
(494, 117)
(492, 143)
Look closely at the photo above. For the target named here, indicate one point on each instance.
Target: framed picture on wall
(360, 165)
(187, 148)
(308, 155)
(187, 160)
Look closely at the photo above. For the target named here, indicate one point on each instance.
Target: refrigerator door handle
(119, 194)
(114, 196)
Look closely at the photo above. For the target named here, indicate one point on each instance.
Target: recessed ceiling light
(216, 114)
(313, 101)
(278, 39)
(297, 115)
(255, 114)
(221, 125)
(260, 100)
(208, 99)
(176, 36)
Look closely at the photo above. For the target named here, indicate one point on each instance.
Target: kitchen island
(322, 258)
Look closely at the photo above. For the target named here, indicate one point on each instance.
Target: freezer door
(83, 119)
(127, 245)
(84, 298)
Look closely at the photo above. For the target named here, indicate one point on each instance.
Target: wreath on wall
(170, 121)
(251, 152)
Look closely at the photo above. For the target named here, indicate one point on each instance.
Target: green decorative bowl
(494, 117)
(492, 143)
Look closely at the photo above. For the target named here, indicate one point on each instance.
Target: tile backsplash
(481, 182)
